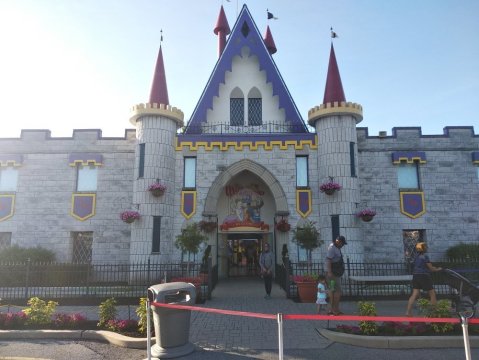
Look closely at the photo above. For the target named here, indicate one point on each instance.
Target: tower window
(155, 244)
(141, 165)
(408, 175)
(189, 177)
(8, 179)
(302, 171)
(86, 177)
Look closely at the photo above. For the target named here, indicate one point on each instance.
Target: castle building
(243, 163)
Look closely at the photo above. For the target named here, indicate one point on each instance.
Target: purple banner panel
(188, 203)
(303, 202)
(412, 204)
(83, 206)
(7, 204)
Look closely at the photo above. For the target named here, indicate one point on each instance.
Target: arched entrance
(245, 198)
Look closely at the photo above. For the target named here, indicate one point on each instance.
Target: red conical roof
(222, 23)
(269, 42)
(159, 91)
(334, 88)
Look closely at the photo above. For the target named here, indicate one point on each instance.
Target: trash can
(172, 326)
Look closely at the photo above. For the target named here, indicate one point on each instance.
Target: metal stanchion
(465, 332)
(148, 330)
(280, 336)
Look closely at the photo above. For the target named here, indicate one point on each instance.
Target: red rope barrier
(315, 317)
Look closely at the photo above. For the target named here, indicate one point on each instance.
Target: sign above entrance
(245, 203)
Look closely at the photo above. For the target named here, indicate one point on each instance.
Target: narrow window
(189, 177)
(82, 247)
(236, 112)
(255, 112)
(155, 243)
(8, 178)
(408, 175)
(352, 159)
(302, 171)
(86, 177)
(5, 240)
(335, 226)
(141, 165)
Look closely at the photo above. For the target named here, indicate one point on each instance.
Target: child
(322, 293)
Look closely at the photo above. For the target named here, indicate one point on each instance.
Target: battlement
(156, 109)
(335, 108)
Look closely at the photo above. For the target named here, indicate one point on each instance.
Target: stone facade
(257, 162)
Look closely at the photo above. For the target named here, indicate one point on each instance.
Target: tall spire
(269, 42)
(221, 29)
(334, 88)
(159, 91)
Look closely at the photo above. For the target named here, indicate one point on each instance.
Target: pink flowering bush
(15, 320)
(69, 321)
(122, 326)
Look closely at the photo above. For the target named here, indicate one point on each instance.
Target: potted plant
(329, 187)
(283, 225)
(366, 214)
(307, 287)
(190, 239)
(157, 189)
(207, 226)
(306, 235)
(129, 216)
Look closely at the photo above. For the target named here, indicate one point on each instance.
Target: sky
(83, 64)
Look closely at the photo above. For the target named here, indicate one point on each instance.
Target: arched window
(236, 107)
(255, 108)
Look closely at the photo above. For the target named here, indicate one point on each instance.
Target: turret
(221, 29)
(335, 122)
(156, 125)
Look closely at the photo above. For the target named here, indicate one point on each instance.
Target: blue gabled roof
(245, 33)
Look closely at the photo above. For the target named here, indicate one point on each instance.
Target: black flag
(271, 16)
(333, 34)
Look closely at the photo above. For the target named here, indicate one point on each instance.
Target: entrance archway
(245, 199)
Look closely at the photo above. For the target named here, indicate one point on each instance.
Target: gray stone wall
(46, 183)
(449, 180)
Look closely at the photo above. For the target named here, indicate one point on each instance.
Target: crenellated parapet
(168, 111)
(335, 108)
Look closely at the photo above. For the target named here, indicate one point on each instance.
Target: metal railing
(21, 281)
(286, 272)
(265, 128)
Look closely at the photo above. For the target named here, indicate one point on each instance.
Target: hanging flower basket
(330, 187)
(366, 215)
(283, 225)
(157, 189)
(129, 216)
(207, 226)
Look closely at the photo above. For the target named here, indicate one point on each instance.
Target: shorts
(334, 284)
(422, 281)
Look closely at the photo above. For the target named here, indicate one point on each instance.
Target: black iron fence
(286, 272)
(21, 281)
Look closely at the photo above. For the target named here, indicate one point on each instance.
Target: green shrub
(39, 312)
(16, 253)
(367, 308)
(463, 252)
(107, 312)
(441, 310)
(142, 316)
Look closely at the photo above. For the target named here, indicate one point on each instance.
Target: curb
(95, 335)
(398, 342)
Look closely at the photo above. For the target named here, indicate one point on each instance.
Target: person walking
(421, 277)
(334, 271)
(266, 262)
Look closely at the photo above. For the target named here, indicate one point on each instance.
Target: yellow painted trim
(188, 216)
(332, 109)
(409, 160)
(243, 145)
(309, 202)
(402, 204)
(86, 162)
(155, 109)
(12, 210)
(93, 207)
(10, 163)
